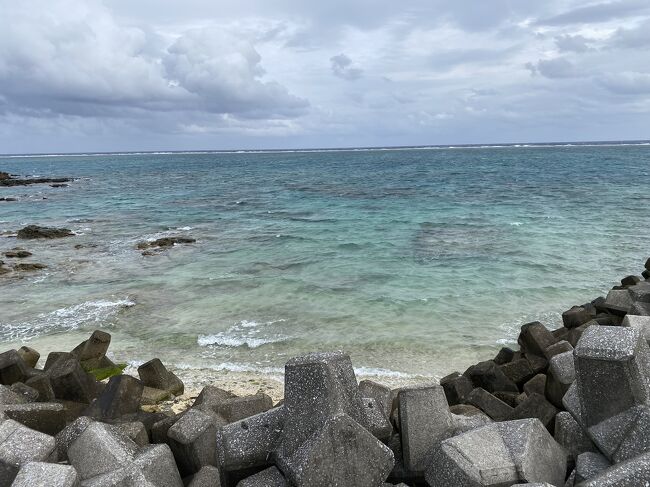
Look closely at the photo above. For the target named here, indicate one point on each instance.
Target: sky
(118, 75)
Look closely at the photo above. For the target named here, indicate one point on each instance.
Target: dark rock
(12, 368)
(155, 374)
(154, 396)
(645, 274)
(8, 199)
(29, 266)
(121, 396)
(59, 185)
(561, 334)
(490, 377)
(535, 338)
(11, 181)
(457, 387)
(424, 421)
(518, 371)
(536, 406)
(489, 404)
(17, 253)
(504, 356)
(160, 428)
(34, 231)
(537, 363)
(165, 242)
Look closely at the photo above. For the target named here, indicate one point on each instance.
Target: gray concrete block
(69, 434)
(29, 355)
(631, 473)
(576, 316)
(46, 417)
(640, 323)
(318, 387)
(425, 420)
(41, 383)
(208, 476)
(157, 465)
(7, 396)
(93, 350)
(590, 464)
(462, 424)
(28, 393)
(535, 338)
(560, 375)
(518, 371)
(70, 382)
(237, 408)
(536, 385)
(341, 452)
(457, 387)
(625, 435)
(134, 430)
(557, 348)
(536, 406)
(386, 397)
(571, 436)
(490, 377)
(154, 374)
(100, 449)
(211, 396)
(40, 474)
(193, 441)
(618, 301)
(489, 404)
(121, 396)
(20, 445)
(12, 368)
(612, 366)
(498, 454)
(378, 423)
(250, 442)
(271, 477)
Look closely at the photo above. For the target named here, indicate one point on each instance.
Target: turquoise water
(417, 262)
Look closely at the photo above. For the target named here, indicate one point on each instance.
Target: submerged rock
(29, 266)
(165, 242)
(35, 231)
(17, 253)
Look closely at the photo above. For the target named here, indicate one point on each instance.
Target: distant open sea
(416, 261)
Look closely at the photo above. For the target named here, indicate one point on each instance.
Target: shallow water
(417, 262)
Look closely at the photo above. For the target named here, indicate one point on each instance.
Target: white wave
(516, 224)
(68, 318)
(245, 333)
(234, 367)
(379, 372)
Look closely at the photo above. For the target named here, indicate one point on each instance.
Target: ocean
(416, 261)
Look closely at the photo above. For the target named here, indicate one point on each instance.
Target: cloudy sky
(81, 75)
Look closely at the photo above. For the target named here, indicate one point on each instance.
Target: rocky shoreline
(570, 408)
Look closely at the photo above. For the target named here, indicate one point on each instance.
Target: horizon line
(583, 143)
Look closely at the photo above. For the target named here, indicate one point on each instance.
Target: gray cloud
(572, 43)
(630, 83)
(600, 12)
(343, 67)
(118, 74)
